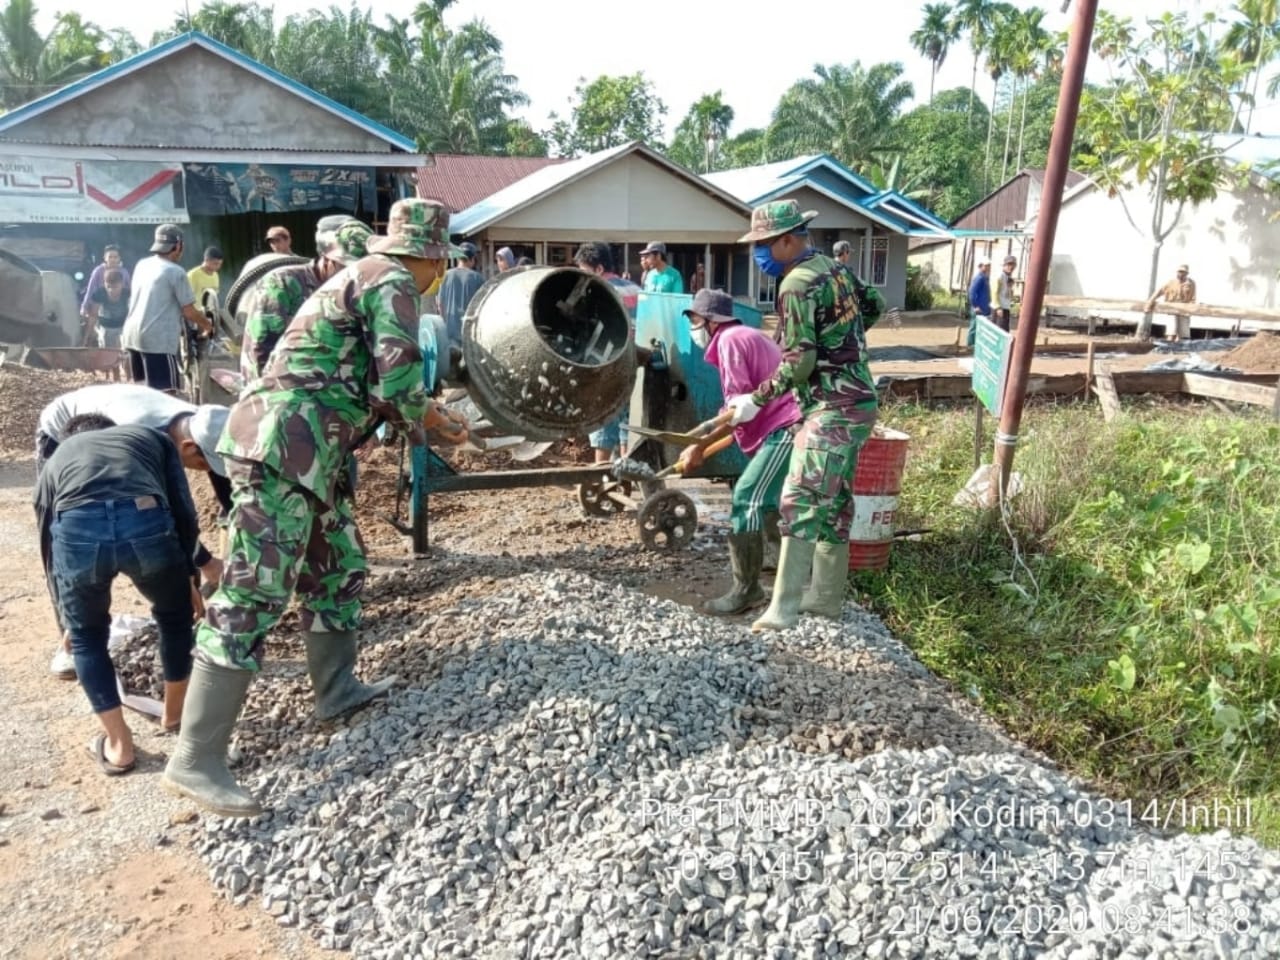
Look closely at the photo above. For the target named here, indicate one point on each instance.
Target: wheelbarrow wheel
(668, 521)
(600, 498)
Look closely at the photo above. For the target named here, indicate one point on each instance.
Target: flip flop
(98, 750)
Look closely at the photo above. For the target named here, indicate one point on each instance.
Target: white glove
(743, 407)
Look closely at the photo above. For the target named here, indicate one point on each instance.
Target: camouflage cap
(774, 219)
(417, 228)
(342, 239)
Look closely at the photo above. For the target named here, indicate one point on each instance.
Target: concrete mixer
(550, 352)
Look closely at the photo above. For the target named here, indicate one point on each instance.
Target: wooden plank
(1107, 395)
(1178, 309)
(1199, 385)
(1088, 370)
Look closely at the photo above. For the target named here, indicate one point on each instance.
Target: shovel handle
(716, 421)
(711, 451)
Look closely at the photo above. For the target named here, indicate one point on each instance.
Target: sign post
(991, 351)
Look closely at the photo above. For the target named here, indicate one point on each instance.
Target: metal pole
(1055, 179)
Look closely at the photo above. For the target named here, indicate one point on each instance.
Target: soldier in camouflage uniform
(349, 358)
(279, 295)
(824, 362)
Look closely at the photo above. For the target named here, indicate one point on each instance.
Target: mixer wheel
(668, 521)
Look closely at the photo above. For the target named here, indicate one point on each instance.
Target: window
(879, 261)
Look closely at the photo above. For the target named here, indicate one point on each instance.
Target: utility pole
(1055, 180)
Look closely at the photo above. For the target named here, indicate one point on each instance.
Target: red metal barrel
(876, 485)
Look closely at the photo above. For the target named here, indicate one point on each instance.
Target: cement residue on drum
(578, 316)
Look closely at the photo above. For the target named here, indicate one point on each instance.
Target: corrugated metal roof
(461, 180)
(196, 39)
(1007, 204)
(1261, 153)
(755, 185)
(548, 180)
(381, 159)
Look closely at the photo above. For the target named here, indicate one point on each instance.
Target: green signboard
(991, 364)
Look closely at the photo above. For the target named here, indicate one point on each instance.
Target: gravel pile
(137, 661)
(24, 392)
(583, 771)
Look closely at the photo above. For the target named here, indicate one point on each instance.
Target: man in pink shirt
(745, 358)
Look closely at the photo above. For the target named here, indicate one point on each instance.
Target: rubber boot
(198, 768)
(788, 585)
(772, 542)
(331, 662)
(746, 555)
(825, 596)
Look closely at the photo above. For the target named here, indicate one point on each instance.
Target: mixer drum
(548, 351)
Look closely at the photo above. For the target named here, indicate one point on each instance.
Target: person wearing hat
(160, 302)
(1003, 313)
(195, 432)
(1181, 289)
(459, 286)
(348, 361)
(660, 276)
(114, 499)
(279, 240)
(979, 298)
(745, 358)
(279, 295)
(824, 364)
(205, 277)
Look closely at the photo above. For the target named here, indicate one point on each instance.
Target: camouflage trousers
(817, 498)
(757, 490)
(281, 539)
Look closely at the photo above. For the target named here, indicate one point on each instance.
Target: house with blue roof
(627, 196)
(878, 223)
(192, 132)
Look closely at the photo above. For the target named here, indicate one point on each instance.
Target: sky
(685, 50)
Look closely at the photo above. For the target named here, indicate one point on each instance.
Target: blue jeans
(91, 545)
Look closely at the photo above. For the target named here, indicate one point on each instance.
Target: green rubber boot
(772, 542)
(331, 662)
(198, 768)
(746, 556)
(825, 596)
(788, 585)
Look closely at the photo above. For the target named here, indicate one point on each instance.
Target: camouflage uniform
(348, 359)
(279, 295)
(818, 313)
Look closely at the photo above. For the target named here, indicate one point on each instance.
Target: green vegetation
(1126, 618)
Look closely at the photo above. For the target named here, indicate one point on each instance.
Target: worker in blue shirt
(979, 298)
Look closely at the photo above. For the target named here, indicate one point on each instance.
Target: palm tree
(701, 134)
(975, 17)
(1254, 40)
(336, 54)
(935, 35)
(32, 65)
(847, 112)
(247, 27)
(997, 49)
(1031, 44)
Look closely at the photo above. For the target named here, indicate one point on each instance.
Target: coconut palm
(247, 27)
(700, 135)
(998, 56)
(32, 64)
(934, 37)
(1254, 40)
(847, 112)
(1029, 50)
(976, 18)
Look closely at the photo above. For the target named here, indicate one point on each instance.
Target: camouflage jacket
(275, 301)
(818, 314)
(347, 360)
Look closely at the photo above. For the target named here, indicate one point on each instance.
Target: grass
(1132, 632)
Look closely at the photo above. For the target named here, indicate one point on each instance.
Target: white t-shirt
(160, 291)
(124, 403)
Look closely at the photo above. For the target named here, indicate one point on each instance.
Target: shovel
(684, 439)
(637, 471)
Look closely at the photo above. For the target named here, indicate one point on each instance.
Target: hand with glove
(744, 409)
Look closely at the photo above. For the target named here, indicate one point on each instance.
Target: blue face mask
(771, 267)
(764, 260)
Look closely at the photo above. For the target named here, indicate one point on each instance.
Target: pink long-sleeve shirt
(747, 358)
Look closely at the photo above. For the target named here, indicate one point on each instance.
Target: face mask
(701, 336)
(764, 260)
(435, 285)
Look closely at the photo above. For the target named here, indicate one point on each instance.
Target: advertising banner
(216, 189)
(51, 190)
